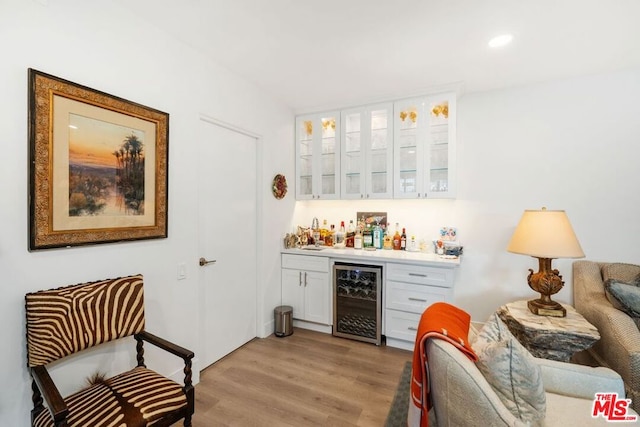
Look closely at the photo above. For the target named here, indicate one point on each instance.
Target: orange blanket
(443, 321)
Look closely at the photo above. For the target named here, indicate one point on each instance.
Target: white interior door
(227, 234)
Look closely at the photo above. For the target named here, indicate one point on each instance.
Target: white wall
(102, 46)
(570, 144)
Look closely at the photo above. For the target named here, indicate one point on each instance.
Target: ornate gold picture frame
(98, 166)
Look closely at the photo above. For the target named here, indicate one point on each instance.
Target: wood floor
(305, 379)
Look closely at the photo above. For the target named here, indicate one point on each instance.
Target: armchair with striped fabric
(65, 321)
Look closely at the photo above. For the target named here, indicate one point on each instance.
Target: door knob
(204, 262)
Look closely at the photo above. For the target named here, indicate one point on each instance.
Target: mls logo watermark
(612, 408)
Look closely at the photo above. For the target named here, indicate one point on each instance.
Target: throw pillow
(511, 371)
(624, 296)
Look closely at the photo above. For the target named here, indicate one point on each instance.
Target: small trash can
(284, 320)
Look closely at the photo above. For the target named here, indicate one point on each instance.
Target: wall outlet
(182, 271)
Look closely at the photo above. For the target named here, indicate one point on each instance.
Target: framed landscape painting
(98, 166)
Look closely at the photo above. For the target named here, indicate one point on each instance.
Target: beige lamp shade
(545, 234)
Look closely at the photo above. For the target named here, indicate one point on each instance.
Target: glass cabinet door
(441, 156)
(366, 152)
(424, 147)
(409, 140)
(317, 156)
(328, 187)
(304, 151)
(352, 164)
(380, 152)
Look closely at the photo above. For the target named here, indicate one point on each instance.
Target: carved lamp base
(547, 282)
(539, 307)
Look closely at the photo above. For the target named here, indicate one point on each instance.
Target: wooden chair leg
(37, 401)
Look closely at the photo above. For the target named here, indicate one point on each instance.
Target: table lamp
(545, 234)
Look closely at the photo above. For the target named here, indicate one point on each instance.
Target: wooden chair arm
(51, 394)
(185, 354)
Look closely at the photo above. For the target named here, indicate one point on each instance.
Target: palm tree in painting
(130, 173)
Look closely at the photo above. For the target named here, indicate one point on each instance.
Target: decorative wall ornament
(98, 166)
(279, 186)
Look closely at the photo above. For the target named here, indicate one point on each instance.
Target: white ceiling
(314, 54)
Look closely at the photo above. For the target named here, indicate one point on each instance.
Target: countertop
(379, 255)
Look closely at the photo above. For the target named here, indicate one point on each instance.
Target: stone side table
(555, 338)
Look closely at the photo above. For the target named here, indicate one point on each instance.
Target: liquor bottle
(397, 239)
(403, 240)
(377, 236)
(339, 236)
(413, 245)
(323, 231)
(328, 237)
(388, 240)
(367, 238)
(357, 240)
(352, 228)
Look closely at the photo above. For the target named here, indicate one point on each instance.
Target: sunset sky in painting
(92, 142)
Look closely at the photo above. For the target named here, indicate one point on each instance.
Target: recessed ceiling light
(501, 40)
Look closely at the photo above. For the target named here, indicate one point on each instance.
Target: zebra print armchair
(67, 320)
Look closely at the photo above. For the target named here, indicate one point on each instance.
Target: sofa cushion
(624, 296)
(511, 371)
(621, 272)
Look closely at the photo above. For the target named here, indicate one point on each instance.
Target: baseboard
(267, 329)
(327, 329)
(404, 345)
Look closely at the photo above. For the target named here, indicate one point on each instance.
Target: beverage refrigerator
(357, 302)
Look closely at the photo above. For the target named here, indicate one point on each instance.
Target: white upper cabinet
(405, 150)
(367, 152)
(318, 156)
(424, 147)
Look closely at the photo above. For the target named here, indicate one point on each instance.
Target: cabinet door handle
(417, 299)
(418, 195)
(412, 328)
(305, 279)
(300, 278)
(418, 275)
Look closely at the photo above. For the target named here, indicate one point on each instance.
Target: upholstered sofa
(462, 396)
(619, 344)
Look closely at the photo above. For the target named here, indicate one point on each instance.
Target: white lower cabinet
(306, 287)
(409, 290)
